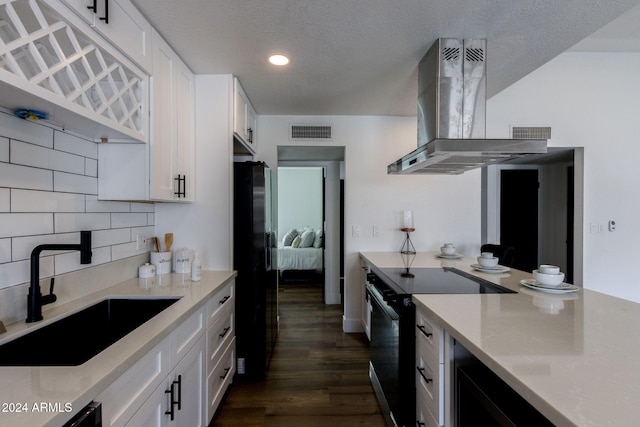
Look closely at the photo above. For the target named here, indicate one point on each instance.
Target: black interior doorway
(519, 215)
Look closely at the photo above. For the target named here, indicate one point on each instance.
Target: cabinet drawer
(222, 298)
(220, 378)
(424, 417)
(122, 398)
(431, 335)
(429, 384)
(187, 334)
(219, 334)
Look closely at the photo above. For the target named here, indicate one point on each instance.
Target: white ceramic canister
(147, 270)
(162, 261)
(182, 260)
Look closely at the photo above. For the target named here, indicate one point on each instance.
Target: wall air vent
(309, 132)
(531, 132)
(474, 54)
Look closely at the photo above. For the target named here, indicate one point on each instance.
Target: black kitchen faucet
(35, 300)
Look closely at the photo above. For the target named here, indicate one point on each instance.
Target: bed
(300, 255)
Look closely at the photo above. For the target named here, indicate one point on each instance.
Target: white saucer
(446, 256)
(494, 270)
(560, 289)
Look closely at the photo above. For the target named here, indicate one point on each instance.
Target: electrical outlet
(356, 230)
(376, 231)
(142, 241)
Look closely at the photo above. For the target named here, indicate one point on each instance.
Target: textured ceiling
(359, 57)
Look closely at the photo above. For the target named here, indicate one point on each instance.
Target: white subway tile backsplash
(70, 261)
(5, 250)
(44, 201)
(4, 149)
(15, 273)
(71, 183)
(151, 219)
(5, 200)
(21, 247)
(26, 154)
(23, 130)
(142, 207)
(68, 222)
(95, 205)
(16, 176)
(25, 224)
(125, 251)
(110, 237)
(91, 167)
(119, 220)
(75, 145)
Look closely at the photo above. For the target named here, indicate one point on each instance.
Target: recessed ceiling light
(279, 60)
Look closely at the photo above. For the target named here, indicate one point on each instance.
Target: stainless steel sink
(73, 340)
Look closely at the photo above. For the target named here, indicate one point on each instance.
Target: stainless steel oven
(392, 353)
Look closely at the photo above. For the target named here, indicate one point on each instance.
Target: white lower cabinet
(430, 377)
(183, 379)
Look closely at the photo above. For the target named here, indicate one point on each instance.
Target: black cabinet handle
(105, 18)
(226, 330)
(182, 186)
(250, 131)
(170, 411)
(94, 7)
(421, 370)
(427, 334)
(179, 382)
(226, 372)
(223, 300)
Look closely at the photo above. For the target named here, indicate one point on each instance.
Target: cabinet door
(185, 124)
(192, 381)
(152, 412)
(252, 124)
(121, 23)
(240, 111)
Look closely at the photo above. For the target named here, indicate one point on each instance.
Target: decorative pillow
(317, 241)
(296, 242)
(307, 238)
(287, 240)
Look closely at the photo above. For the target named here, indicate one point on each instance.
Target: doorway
(536, 204)
(331, 159)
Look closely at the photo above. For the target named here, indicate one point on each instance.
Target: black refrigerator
(255, 260)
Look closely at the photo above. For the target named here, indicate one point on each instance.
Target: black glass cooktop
(437, 281)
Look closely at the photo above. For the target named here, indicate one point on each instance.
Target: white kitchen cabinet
(165, 169)
(430, 377)
(366, 301)
(58, 64)
(121, 23)
(244, 118)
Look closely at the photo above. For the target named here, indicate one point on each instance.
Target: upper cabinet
(163, 170)
(121, 23)
(173, 126)
(51, 60)
(244, 118)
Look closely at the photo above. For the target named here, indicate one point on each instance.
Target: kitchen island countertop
(572, 356)
(42, 396)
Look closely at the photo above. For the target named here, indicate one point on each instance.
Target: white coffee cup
(486, 255)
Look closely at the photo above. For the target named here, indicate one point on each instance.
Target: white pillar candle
(407, 219)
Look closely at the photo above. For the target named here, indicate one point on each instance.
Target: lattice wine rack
(40, 48)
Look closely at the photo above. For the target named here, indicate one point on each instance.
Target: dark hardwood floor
(318, 375)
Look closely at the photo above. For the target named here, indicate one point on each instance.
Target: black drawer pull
(226, 372)
(421, 370)
(105, 18)
(426, 334)
(227, 329)
(94, 7)
(223, 300)
(172, 402)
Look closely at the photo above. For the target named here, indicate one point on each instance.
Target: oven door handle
(385, 309)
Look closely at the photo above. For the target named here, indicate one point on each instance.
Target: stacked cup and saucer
(548, 278)
(487, 263)
(448, 251)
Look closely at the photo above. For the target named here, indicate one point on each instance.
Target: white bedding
(290, 258)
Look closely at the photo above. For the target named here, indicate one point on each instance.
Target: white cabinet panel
(244, 118)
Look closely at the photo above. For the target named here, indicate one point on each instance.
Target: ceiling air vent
(306, 132)
(531, 132)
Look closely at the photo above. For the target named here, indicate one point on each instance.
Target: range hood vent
(451, 114)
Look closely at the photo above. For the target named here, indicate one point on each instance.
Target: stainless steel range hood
(451, 114)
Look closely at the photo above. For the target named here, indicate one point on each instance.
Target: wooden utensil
(168, 241)
(156, 245)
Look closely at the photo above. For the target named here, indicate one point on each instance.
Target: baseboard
(352, 326)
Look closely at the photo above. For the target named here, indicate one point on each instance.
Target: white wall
(446, 208)
(206, 225)
(590, 100)
(299, 198)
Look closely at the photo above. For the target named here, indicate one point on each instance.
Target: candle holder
(407, 227)
(407, 246)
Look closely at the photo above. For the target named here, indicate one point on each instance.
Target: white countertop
(24, 387)
(579, 367)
